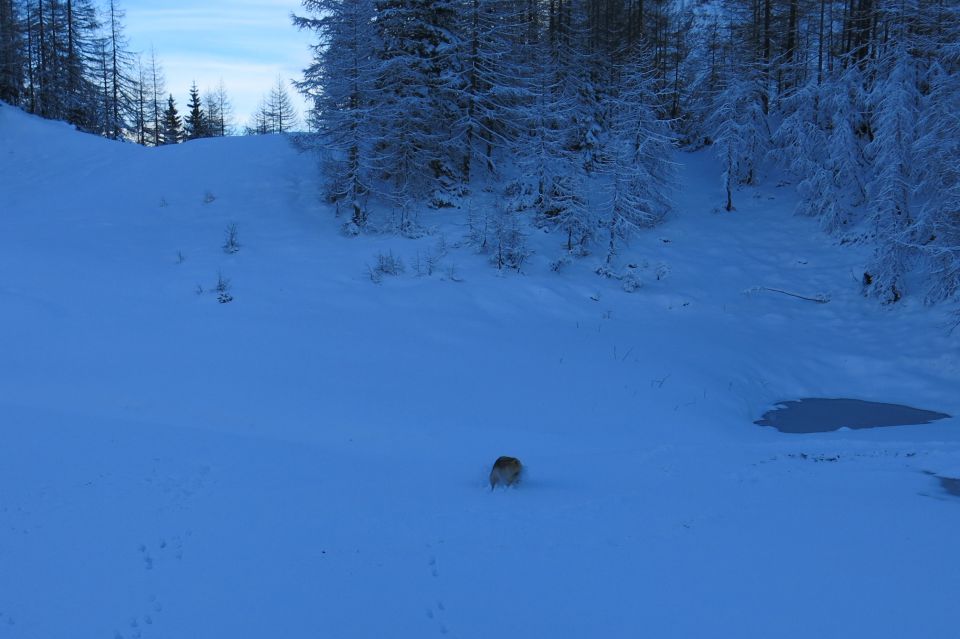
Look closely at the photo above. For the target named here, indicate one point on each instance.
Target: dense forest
(572, 107)
(70, 60)
(571, 110)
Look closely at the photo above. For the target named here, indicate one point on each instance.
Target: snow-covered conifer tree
(817, 140)
(637, 158)
(548, 154)
(492, 88)
(739, 127)
(890, 192)
(341, 83)
(937, 229)
(417, 89)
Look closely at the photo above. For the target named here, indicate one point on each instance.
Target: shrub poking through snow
(629, 279)
(509, 243)
(208, 197)
(387, 264)
(231, 244)
(428, 263)
(631, 282)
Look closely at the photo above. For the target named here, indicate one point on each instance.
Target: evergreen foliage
(195, 124)
(172, 123)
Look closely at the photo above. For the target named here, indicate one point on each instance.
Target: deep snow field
(310, 459)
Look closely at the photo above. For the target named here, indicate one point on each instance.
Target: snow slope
(309, 460)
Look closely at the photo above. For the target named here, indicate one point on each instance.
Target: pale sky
(247, 43)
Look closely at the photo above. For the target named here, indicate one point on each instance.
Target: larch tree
(280, 110)
(638, 155)
(219, 111)
(417, 87)
(341, 84)
(11, 53)
(157, 87)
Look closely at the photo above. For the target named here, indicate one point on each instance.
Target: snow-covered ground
(310, 459)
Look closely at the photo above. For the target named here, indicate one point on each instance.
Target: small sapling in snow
(429, 262)
(452, 274)
(387, 264)
(222, 289)
(510, 244)
(231, 244)
(208, 197)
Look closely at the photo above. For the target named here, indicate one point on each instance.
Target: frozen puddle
(820, 415)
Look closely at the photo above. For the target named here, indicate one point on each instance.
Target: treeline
(209, 117)
(583, 99)
(858, 100)
(70, 60)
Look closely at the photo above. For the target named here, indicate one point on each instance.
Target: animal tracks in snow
(436, 611)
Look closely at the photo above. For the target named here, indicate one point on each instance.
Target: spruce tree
(172, 124)
(195, 125)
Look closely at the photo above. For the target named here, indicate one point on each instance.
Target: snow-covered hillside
(310, 459)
